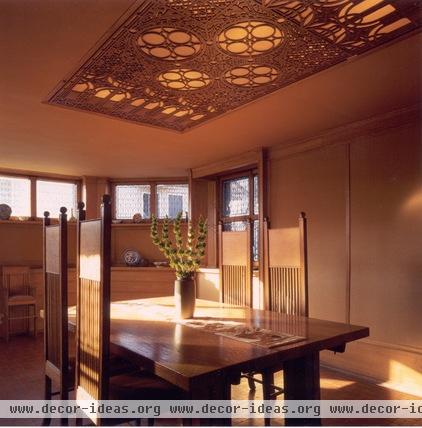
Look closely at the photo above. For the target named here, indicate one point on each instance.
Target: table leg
(218, 388)
(302, 382)
(222, 391)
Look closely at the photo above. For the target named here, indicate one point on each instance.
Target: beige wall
(382, 203)
(315, 183)
(386, 225)
(21, 243)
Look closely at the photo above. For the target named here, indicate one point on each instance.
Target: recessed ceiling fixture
(177, 63)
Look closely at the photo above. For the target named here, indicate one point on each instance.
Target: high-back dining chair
(93, 378)
(235, 263)
(286, 268)
(18, 293)
(286, 286)
(57, 368)
(93, 304)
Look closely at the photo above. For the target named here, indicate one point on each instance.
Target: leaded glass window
(255, 195)
(236, 197)
(16, 192)
(52, 195)
(131, 199)
(172, 199)
(240, 205)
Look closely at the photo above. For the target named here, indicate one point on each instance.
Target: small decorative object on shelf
(5, 212)
(160, 264)
(131, 257)
(72, 216)
(184, 258)
(137, 218)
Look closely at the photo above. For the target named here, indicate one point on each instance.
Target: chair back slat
(93, 305)
(55, 302)
(287, 268)
(16, 280)
(235, 260)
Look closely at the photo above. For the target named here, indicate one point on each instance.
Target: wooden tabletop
(145, 331)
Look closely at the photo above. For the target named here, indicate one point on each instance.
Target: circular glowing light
(250, 38)
(184, 79)
(251, 75)
(169, 44)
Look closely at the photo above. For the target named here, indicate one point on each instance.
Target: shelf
(142, 268)
(34, 222)
(21, 222)
(142, 225)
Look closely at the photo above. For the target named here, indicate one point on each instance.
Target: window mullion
(251, 196)
(33, 198)
(153, 200)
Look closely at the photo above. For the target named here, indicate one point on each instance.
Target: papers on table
(238, 331)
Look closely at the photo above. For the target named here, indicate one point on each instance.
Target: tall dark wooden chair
(235, 263)
(57, 369)
(286, 280)
(93, 381)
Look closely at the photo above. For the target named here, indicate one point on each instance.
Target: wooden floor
(21, 377)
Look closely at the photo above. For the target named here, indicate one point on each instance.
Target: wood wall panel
(386, 225)
(135, 237)
(382, 203)
(315, 182)
(22, 244)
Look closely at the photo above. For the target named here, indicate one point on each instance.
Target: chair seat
(21, 300)
(141, 385)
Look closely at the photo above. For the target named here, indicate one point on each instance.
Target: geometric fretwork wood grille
(177, 63)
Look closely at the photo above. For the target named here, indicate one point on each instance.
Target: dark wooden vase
(184, 297)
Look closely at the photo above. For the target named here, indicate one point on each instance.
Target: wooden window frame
(153, 183)
(250, 174)
(251, 217)
(33, 178)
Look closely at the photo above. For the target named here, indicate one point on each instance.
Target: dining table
(205, 364)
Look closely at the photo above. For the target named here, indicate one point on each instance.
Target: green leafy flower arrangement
(184, 258)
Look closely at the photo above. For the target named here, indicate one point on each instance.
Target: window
(132, 199)
(236, 197)
(52, 195)
(172, 199)
(16, 192)
(161, 199)
(240, 205)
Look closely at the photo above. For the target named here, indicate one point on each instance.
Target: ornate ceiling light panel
(177, 63)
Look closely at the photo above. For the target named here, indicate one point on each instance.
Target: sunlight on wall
(208, 286)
